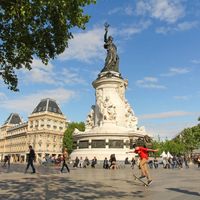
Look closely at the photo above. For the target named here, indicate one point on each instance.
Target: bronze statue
(112, 59)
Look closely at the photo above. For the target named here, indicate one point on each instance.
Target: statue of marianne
(112, 59)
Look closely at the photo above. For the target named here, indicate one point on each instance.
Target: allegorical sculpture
(112, 59)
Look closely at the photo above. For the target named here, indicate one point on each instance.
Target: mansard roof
(48, 105)
(13, 118)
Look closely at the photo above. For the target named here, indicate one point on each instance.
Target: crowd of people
(63, 160)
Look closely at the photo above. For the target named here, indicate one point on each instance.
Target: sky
(158, 44)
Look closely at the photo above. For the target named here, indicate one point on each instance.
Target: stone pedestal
(111, 126)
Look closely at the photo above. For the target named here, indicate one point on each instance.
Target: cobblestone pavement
(91, 184)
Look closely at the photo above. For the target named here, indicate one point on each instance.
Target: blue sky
(158, 44)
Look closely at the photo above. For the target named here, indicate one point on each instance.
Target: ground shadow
(184, 191)
(56, 188)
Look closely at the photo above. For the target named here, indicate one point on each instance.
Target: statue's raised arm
(106, 32)
(112, 59)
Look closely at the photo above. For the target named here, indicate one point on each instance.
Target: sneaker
(149, 182)
(141, 177)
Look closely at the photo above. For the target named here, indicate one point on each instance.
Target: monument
(111, 125)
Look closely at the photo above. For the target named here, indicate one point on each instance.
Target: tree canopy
(35, 28)
(68, 138)
(186, 141)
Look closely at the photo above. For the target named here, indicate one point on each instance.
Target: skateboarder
(143, 154)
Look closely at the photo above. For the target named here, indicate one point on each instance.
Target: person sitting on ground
(86, 162)
(126, 162)
(113, 164)
(94, 162)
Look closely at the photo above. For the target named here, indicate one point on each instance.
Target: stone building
(44, 130)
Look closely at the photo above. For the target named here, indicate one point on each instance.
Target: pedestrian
(186, 161)
(105, 163)
(133, 162)
(31, 159)
(198, 161)
(6, 161)
(143, 154)
(76, 162)
(65, 158)
(155, 162)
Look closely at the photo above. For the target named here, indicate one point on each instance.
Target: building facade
(44, 130)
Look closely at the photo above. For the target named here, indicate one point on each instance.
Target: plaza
(98, 183)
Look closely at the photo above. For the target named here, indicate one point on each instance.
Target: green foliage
(68, 139)
(184, 143)
(190, 137)
(38, 28)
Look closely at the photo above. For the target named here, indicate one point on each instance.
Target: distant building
(44, 130)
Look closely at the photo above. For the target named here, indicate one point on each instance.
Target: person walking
(31, 159)
(65, 158)
(6, 160)
(143, 154)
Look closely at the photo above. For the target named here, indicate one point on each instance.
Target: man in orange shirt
(143, 154)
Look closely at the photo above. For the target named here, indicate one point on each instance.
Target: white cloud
(183, 26)
(3, 96)
(181, 97)
(166, 130)
(128, 10)
(187, 25)
(47, 74)
(69, 76)
(27, 103)
(195, 61)
(164, 115)
(134, 29)
(176, 71)
(86, 46)
(150, 82)
(115, 10)
(164, 10)
(40, 73)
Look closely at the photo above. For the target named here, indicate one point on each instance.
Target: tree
(35, 28)
(68, 137)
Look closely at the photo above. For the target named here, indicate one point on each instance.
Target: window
(83, 144)
(116, 144)
(98, 144)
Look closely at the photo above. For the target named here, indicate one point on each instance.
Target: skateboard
(136, 178)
